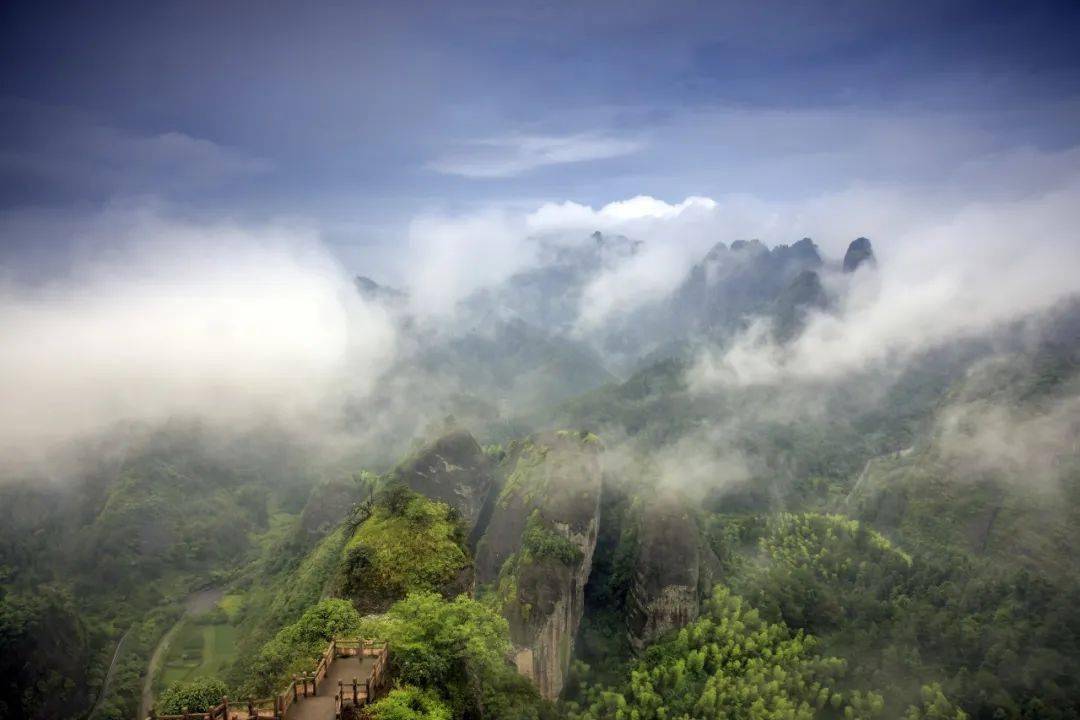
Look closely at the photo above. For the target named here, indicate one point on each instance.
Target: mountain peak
(371, 290)
(749, 246)
(859, 251)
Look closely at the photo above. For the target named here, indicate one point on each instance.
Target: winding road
(196, 603)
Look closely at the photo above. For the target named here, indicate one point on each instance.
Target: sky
(366, 120)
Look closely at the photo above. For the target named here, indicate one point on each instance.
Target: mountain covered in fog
(600, 511)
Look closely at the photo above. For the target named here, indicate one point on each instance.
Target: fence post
(367, 691)
(225, 707)
(251, 708)
(354, 689)
(185, 714)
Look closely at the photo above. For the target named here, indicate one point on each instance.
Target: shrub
(410, 703)
(296, 647)
(198, 695)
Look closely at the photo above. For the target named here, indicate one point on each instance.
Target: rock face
(538, 549)
(453, 469)
(790, 310)
(675, 568)
(730, 284)
(860, 251)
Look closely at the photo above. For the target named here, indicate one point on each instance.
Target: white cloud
(942, 276)
(942, 255)
(161, 318)
(448, 257)
(518, 154)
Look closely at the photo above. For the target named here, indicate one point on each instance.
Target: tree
(410, 703)
(460, 648)
(296, 647)
(198, 695)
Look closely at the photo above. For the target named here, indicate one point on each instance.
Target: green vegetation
(44, 653)
(731, 664)
(458, 648)
(527, 478)
(410, 703)
(540, 542)
(407, 543)
(297, 647)
(202, 648)
(997, 640)
(197, 695)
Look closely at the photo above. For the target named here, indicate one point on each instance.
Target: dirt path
(196, 603)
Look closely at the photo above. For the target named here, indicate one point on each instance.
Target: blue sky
(357, 117)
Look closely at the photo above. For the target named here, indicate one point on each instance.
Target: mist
(160, 317)
(977, 268)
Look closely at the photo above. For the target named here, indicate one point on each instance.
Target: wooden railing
(356, 694)
(219, 711)
(306, 685)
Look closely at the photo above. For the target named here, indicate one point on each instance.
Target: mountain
(538, 538)
(859, 252)
(548, 296)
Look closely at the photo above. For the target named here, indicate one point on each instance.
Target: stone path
(321, 706)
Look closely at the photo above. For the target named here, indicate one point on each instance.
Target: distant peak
(859, 251)
(371, 290)
(716, 252)
(749, 246)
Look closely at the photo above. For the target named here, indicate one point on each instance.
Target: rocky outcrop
(538, 547)
(328, 504)
(454, 470)
(859, 252)
(675, 569)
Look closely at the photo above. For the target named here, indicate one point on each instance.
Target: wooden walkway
(350, 673)
(323, 705)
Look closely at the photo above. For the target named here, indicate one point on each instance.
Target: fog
(159, 317)
(964, 274)
(994, 428)
(239, 322)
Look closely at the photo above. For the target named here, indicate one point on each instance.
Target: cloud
(160, 317)
(674, 235)
(1028, 446)
(943, 276)
(514, 155)
(449, 256)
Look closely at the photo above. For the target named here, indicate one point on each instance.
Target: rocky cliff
(674, 569)
(454, 470)
(538, 547)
